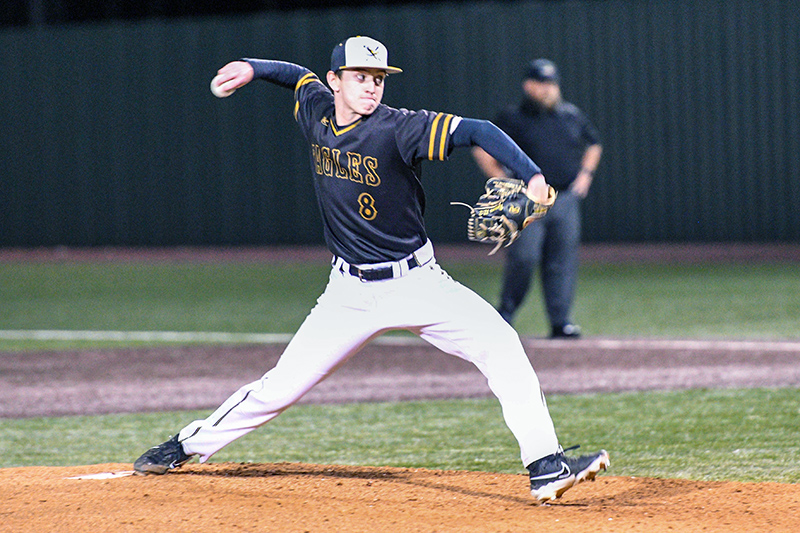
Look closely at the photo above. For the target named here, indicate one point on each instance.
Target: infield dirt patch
(316, 498)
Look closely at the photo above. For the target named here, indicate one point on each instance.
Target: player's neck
(345, 117)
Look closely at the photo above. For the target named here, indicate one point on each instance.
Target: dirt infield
(323, 498)
(314, 498)
(200, 377)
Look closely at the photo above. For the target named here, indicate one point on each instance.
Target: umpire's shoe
(567, 331)
(162, 458)
(553, 475)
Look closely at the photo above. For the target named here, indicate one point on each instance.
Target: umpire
(564, 143)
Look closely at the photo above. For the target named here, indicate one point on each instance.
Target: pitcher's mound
(289, 497)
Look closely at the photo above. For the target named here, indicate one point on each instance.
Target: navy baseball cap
(361, 52)
(542, 70)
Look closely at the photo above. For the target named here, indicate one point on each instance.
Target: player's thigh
(461, 322)
(339, 325)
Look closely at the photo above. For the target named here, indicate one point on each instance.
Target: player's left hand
(538, 189)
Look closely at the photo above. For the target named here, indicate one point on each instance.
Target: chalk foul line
(217, 337)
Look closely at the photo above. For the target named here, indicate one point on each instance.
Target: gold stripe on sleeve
(443, 141)
(432, 142)
(308, 78)
(305, 80)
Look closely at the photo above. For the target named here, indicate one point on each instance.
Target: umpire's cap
(361, 52)
(542, 70)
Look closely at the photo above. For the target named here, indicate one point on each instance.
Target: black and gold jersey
(367, 174)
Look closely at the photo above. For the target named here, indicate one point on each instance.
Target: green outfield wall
(110, 135)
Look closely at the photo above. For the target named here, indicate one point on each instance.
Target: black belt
(389, 270)
(380, 273)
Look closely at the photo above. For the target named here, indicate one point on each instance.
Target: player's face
(358, 92)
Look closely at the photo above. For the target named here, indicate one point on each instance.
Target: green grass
(755, 301)
(732, 301)
(744, 435)
(237, 298)
(141, 296)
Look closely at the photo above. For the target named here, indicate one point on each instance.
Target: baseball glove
(503, 211)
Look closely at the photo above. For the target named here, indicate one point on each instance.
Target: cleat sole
(552, 491)
(146, 469)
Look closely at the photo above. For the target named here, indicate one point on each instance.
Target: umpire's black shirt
(555, 139)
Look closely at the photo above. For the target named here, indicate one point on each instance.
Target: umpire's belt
(388, 270)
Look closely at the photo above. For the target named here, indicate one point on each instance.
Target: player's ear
(333, 80)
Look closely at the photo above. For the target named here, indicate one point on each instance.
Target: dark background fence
(111, 137)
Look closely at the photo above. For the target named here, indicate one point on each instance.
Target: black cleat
(550, 477)
(555, 474)
(162, 458)
(586, 467)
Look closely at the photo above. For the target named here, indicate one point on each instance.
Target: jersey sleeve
(497, 143)
(309, 92)
(277, 72)
(424, 135)
(308, 89)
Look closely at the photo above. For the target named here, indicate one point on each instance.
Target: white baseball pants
(349, 314)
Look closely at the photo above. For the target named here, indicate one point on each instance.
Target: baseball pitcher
(365, 159)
